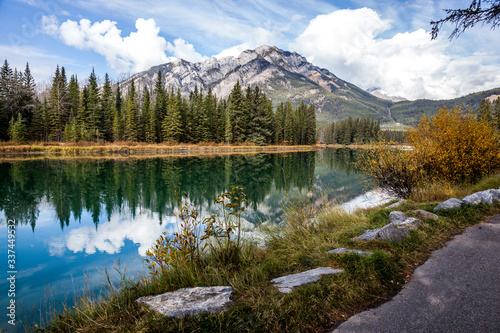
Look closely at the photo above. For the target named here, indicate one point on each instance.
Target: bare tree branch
(467, 18)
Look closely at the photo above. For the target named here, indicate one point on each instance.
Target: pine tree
(11, 129)
(118, 99)
(17, 129)
(288, 127)
(149, 120)
(184, 111)
(269, 119)
(72, 134)
(28, 100)
(73, 95)
(496, 112)
(279, 122)
(130, 116)
(118, 116)
(58, 102)
(311, 126)
(107, 108)
(201, 115)
(160, 106)
(237, 114)
(258, 109)
(210, 111)
(251, 112)
(117, 126)
(83, 117)
(228, 129)
(484, 111)
(172, 124)
(220, 126)
(94, 105)
(6, 110)
(347, 139)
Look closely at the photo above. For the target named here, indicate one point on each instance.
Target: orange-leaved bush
(395, 170)
(455, 147)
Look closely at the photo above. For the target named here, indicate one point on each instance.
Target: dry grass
(11, 152)
(439, 191)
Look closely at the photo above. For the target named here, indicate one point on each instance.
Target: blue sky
(377, 45)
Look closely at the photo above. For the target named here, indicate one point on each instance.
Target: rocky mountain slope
(280, 74)
(285, 76)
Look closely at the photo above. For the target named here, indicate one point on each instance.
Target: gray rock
(449, 204)
(189, 301)
(285, 284)
(411, 223)
(425, 214)
(488, 196)
(391, 232)
(348, 251)
(397, 217)
(369, 234)
(395, 205)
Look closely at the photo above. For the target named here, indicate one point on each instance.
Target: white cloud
(183, 50)
(409, 64)
(50, 25)
(255, 38)
(139, 51)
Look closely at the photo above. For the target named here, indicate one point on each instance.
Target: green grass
(300, 245)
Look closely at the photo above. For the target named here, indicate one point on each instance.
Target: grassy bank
(299, 245)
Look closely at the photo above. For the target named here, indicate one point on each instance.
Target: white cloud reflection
(110, 236)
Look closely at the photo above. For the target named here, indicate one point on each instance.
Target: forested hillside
(71, 112)
(408, 112)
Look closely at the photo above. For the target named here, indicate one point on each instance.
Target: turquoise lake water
(76, 218)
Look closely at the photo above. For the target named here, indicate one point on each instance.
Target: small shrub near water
(199, 238)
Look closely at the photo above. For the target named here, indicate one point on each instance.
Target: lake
(76, 218)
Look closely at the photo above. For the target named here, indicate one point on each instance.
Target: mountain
(282, 75)
(288, 76)
(408, 112)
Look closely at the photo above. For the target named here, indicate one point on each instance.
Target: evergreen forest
(348, 131)
(71, 112)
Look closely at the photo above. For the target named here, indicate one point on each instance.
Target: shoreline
(12, 152)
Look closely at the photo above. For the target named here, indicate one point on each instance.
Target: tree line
(71, 112)
(349, 131)
(489, 112)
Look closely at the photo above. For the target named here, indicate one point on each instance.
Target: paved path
(456, 290)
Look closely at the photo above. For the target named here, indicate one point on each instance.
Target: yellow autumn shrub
(451, 147)
(395, 170)
(455, 147)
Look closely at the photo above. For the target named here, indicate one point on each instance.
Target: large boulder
(411, 223)
(449, 204)
(189, 301)
(392, 232)
(488, 196)
(369, 234)
(397, 217)
(286, 283)
(389, 232)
